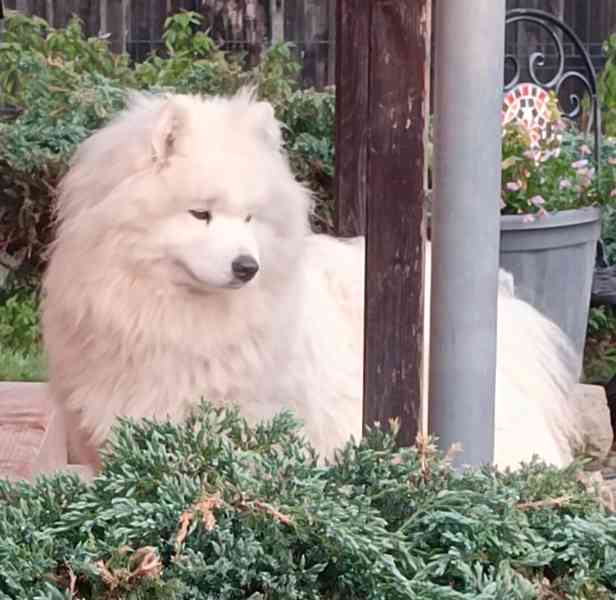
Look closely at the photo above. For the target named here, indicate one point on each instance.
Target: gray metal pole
(469, 60)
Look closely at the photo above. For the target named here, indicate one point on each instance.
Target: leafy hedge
(231, 512)
(65, 86)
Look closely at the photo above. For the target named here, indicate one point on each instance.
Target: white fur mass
(144, 315)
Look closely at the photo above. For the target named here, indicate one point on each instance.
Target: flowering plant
(553, 170)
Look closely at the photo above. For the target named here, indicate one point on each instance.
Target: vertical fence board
(315, 38)
(331, 46)
(310, 24)
(103, 17)
(276, 15)
(352, 70)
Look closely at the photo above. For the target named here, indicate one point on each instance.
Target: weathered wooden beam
(103, 18)
(277, 21)
(352, 79)
(382, 49)
(125, 32)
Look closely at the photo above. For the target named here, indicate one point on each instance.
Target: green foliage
(215, 509)
(19, 366)
(192, 63)
(275, 76)
(20, 349)
(558, 173)
(309, 123)
(607, 87)
(19, 324)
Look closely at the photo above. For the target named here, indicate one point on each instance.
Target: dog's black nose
(244, 267)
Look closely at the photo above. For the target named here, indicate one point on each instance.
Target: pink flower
(514, 186)
(537, 200)
(543, 213)
(585, 150)
(532, 154)
(580, 164)
(613, 193)
(611, 160)
(585, 176)
(565, 184)
(528, 218)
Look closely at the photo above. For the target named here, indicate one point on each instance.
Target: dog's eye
(202, 215)
(248, 219)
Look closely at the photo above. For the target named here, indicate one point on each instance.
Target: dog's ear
(266, 123)
(165, 132)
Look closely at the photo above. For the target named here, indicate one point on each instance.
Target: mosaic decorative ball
(528, 104)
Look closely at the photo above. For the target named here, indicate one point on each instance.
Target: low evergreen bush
(214, 509)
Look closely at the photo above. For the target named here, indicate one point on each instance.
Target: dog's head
(194, 191)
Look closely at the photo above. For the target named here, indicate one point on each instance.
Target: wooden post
(331, 42)
(382, 48)
(49, 12)
(126, 25)
(277, 21)
(103, 16)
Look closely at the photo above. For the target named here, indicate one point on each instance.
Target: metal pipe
(469, 73)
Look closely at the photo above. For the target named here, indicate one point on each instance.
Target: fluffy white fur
(143, 315)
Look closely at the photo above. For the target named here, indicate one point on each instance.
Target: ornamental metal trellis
(586, 78)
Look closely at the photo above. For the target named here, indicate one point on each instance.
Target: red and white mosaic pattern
(528, 104)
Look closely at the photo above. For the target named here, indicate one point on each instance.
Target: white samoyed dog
(184, 268)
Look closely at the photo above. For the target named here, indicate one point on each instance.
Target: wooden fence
(136, 26)
(250, 25)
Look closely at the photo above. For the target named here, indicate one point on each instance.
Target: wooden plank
(89, 12)
(32, 432)
(156, 16)
(394, 213)
(331, 43)
(125, 26)
(49, 12)
(60, 13)
(24, 6)
(103, 9)
(114, 24)
(139, 29)
(277, 21)
(352, 70)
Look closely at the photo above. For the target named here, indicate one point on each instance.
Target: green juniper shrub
(228, 511)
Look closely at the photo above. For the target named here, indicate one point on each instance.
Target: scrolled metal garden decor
(587, 77)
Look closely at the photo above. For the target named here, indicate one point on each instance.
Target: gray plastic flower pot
(552, 260)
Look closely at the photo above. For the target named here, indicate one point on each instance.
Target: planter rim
(561, 218)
